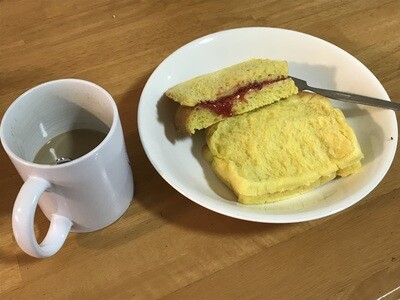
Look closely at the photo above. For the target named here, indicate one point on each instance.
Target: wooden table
(166, 245)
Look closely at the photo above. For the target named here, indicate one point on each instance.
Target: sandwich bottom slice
(283, 149)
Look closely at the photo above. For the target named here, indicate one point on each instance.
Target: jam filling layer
(224, 106)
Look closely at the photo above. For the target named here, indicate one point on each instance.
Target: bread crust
(182, 117)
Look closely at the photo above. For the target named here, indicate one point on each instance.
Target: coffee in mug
(68, 146)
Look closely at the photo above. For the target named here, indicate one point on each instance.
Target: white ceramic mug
(83, 195)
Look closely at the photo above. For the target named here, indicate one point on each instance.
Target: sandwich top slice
(283, 149)
(210, 98)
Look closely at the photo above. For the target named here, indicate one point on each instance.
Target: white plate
(179, 160)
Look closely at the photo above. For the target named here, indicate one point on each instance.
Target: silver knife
(347, 97)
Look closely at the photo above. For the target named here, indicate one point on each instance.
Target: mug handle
(23, 217)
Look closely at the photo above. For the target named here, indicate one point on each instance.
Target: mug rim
(79, 159)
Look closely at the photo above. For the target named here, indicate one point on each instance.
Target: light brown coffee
(71, 144)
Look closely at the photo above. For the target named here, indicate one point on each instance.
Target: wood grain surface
(165, 245)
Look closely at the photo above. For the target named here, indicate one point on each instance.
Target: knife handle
(348, 97)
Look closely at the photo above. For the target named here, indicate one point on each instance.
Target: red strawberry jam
(224, 106)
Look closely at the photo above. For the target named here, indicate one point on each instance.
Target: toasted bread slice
(215, 96)
(283, 149)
